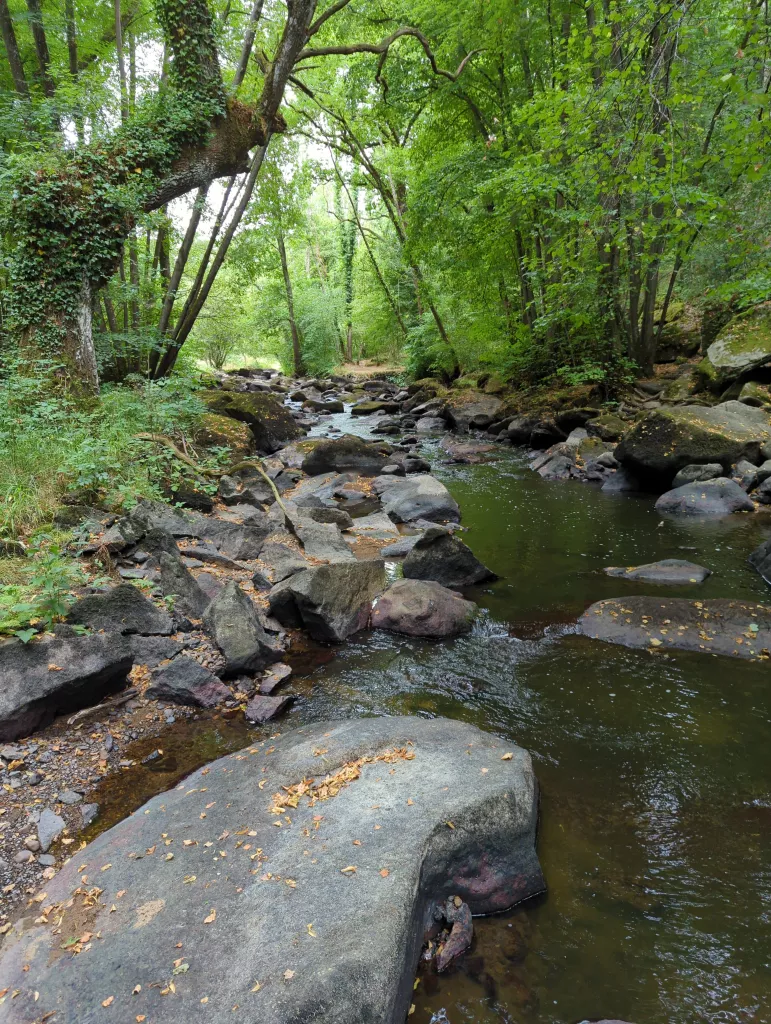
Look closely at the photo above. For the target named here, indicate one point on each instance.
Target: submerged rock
(340, 943)
(42, 680)
(330, 601)
(720, 497)
(739, 629)
(439, 556)
(417, 496)
(420, 608)
(760, 560)
(667, 571)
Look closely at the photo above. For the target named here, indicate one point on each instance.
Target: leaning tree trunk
(72, 216)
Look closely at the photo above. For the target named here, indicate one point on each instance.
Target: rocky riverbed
(342, 532)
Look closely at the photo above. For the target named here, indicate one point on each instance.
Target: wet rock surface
(256, 921)
(738, 629)
(670, 571)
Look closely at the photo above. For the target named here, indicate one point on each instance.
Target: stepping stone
(738, 629)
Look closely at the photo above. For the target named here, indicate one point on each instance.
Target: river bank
(642, 758)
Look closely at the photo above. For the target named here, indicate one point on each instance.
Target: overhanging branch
(382, 49)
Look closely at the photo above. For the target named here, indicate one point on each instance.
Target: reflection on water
(655, 777)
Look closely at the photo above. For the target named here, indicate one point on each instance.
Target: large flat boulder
(669, 439)
(423, 608)
(319, 920)
(744, 344)
(49, 678)
(345, 454)
(330, 601)
(232, 620)
(418, 496)
(739, 629)
(121, 610)
(269, 420)
(440, 556)
(719, 497)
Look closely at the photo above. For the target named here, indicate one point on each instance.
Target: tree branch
(330, 11)
(383, 47)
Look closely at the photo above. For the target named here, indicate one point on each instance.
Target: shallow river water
(655, 834)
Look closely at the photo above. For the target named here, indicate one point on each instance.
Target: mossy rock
(608, 427)
(706, 376)
(744, 344)
(668, 439)
(223, 432)
(268, 418)
(682, 388)
(756, 395)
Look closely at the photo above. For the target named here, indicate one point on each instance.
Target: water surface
(655, 773)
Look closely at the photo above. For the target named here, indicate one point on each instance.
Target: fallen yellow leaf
(109, 1001)
(349, 870)
(211, 918)
(507, 757)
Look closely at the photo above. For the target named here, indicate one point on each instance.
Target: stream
(655, 834)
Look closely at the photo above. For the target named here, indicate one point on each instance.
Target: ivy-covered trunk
(72, 215)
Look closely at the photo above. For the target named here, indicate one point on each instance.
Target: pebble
(32, 843)
(47, 860)
(109, 742)
(50, 827)
(88, 812)
(12, 752)
(34, 779)
(69, 797)
(46, 757)
(24, 857)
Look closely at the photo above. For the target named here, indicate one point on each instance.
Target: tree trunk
(200, 135)
(77, 356)
(41, 47)
(297, 356)
(12, 50)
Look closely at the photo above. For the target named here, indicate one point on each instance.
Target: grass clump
(54, 449)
